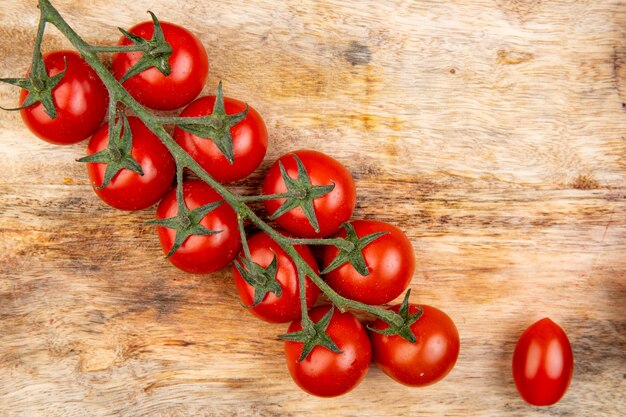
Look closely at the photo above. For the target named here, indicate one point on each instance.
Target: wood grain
(492, 132)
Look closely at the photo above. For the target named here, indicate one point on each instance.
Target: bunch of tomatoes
(310, 195)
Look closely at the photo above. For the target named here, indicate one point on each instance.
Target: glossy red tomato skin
(80, 99)
(129, 190)
(324, 373)
(249, 141)
(543, 363)
(201, 254)
(390, 260)
(424, 362)
(332, 209)
(189, 63)
(286, 307)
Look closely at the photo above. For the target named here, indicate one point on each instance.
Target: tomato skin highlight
(543, 363)
(201, 254)
(424, 362)
(80, 98)
(249, 141)
(189, 63)
(390, 260)
(332, 209)
(129, 190)
(286, 307)
(328, 374)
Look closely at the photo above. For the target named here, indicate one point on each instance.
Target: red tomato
(129, 190)
(249, 141)
(424, 362)
(325, 373)
(201, 254)
(80, 99)
(543, 363)
(189, 63)
(286, 307)
(331, 210)
(390, 260)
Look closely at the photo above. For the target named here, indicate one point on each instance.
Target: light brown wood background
(492, 132)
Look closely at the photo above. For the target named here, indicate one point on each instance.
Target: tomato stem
(184, 160)
(115, 49)
(338, 242)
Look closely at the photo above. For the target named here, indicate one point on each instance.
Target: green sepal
(354, 256)
(263, 280)
(39, 86)
(186, 222)
(313, 334)
(117, 155)
(155, 52)
(216, 126)
(303, 193)
(404, 329)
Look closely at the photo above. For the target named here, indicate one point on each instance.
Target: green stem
(249, 198)
(114, 48)
(183, 159)
(338, 242)
(244, 240)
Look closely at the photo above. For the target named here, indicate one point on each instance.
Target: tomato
(543, 363)
(286, 307)
(189, 68)
(249, 141)
(389, 258)
(201, 254)
(80, 98)
(424, 362)
(325, 373)
(128, 190)
(331, 209)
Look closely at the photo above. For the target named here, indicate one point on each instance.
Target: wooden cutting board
(492, 132)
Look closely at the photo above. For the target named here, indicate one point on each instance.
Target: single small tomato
(389, 258)
(275, 309)
(331, 209)
(424, 362)
(201, 254)
(249, 138)
(189, 68)
(325, 373)
(80, 99)
(128, 190)
(543, 363)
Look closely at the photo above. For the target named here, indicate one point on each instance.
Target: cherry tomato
(201, 254)
(286, 307)
(129, 190)
(331, 210)
(325, 373)
(543, 363)
(80, 99)
(424, 362)
(249, 141)
(189, 64)
(390, 260)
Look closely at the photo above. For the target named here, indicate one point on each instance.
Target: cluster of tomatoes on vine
(310, 195)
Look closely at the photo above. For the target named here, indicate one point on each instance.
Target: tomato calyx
(313, 334)
(301, 193)
(156, 51)
(216, 126)
(403, 327)
(186, 222)
(117, 155)
(39, 86)
(353, 255)
(262, 279)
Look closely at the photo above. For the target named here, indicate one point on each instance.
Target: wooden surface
(492, 132)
